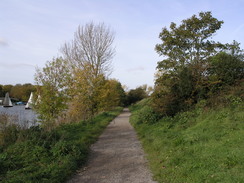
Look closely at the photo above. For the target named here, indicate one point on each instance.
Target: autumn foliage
(76, 86)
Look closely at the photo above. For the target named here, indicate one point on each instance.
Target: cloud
(16, 66)
(3, 42)
(140, 68)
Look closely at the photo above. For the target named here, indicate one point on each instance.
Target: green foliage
(38, 155)
(146, 115)
(75, 87)
(226, 68)
(136, 95)
(8, 135)
(22, 92)
(8, 131)
(174, 92)
(194, 68)
(53, 79)
(189, 42)
(6, 89)
(199, 145)
(19, 92)
(1, 91)
(119, 92)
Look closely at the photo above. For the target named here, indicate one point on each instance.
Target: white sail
(10, 103)
(7, 102)
(30, 102)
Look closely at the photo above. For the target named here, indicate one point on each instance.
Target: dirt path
(117, 157)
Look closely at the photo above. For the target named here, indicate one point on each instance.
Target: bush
(144, 113)
(226, 68)
(147, 115)
(135, 95)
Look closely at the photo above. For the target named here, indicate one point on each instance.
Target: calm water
(19, 115)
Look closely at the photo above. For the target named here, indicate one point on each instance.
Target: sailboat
(30, 102)
(7, 102)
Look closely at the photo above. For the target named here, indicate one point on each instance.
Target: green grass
(194, 146)
(41, 156)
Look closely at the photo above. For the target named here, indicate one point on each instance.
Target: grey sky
(31, 32)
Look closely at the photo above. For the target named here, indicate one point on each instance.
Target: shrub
(226, 68)
(145, 115)
(135, 95)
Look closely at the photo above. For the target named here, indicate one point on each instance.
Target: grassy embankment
(35, 155)
(205, 144)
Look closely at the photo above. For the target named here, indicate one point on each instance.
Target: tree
(189, 43)
(136, 95)
(7, 88)
(173, 92)
(84, 91)
(235, 50)
(54, 80)
(22, 92)
(1, 91)
(17, 91)
(92, 45)
(93, 95)
(27, 89)
(147, 89)
(226, 68)
(111, 95)
(74, 82)
(182, 77)
(89, 57)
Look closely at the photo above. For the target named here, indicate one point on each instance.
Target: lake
(21, 116)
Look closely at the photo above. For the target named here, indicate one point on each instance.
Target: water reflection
(21, 116)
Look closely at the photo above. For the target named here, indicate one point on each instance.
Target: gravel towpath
(117, 156)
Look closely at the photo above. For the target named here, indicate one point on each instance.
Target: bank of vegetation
(76, 94)
(204, 144)
(192, 125)
(38, 155)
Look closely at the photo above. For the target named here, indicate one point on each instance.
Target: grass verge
(41, 156)
(195, 146)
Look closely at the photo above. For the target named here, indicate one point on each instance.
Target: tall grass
(37, 155)
(201, 145)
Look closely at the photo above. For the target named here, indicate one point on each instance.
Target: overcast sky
(32, 32)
